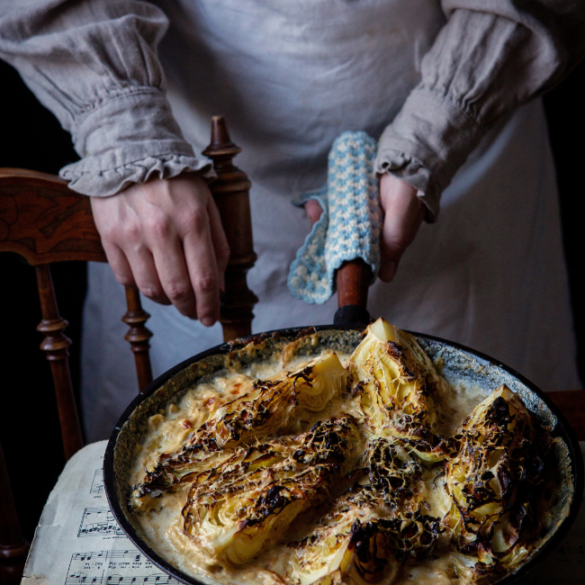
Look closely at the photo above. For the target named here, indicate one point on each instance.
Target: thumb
(403, 214)
(314, 210)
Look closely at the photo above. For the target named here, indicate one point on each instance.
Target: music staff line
(99, 522)
(105, 555)
(97, 484)
(153, 579)
(118, 567)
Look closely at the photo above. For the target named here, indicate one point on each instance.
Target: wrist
(128, 139)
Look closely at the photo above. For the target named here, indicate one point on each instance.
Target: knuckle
(194, 220)
(125, 280)
(110, 234)
(151, 291)
(132, 232)
(159, 226)
(178, 291)
(206, 283)
(398, 244)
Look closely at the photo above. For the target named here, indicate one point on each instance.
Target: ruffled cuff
(428, 141)
(129, 139)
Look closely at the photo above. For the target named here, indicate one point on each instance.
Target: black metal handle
(353, 316)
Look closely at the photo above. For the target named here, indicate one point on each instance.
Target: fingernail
(207, 321)
(388, 271)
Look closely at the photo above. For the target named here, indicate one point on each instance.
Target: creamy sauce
(170, 429)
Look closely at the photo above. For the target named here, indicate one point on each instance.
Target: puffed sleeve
(491, 57)
(93, 63)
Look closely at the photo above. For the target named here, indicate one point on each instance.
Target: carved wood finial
(231, 193)
(56, 346)
(220, 137)
(138, 336)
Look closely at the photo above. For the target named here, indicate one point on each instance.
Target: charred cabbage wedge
(267, 407)
(397, 382)
(258, 493)
(493, 478)
(373, 527)
(347, 546)
(349, 475)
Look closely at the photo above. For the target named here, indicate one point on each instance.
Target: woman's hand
(165, 237)
(403, 214)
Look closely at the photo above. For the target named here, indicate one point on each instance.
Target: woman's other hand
(165, 237)
(403, 214)
(314, 211)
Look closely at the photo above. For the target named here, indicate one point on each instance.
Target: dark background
(31, 138)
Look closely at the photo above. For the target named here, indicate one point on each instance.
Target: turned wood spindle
(138, 336)
(44, 222)
(231, 194)
(56, 347)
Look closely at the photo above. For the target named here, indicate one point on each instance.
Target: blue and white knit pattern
(350, 225)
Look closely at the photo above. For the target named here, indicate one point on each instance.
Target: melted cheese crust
(163, 524)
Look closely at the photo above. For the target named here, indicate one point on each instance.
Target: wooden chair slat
(138, 337)
(56, 348)
(44, 221)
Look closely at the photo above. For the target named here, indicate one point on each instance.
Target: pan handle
(353, 280)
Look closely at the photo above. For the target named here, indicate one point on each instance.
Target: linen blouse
(94, 64)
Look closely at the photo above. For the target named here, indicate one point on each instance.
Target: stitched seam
(461, 106)
(117, 95)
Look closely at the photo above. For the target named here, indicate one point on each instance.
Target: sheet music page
(78, 541)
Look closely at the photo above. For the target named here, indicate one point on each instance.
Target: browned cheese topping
(357, 472)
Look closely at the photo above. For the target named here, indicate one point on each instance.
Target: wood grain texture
(231, 194)
(44, 221)
(56, 347)
(353, 282)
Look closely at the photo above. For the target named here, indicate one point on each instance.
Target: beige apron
(290, 77)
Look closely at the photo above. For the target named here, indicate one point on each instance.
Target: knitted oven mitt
(350, 224)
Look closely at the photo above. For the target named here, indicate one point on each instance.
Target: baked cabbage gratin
(363, 468)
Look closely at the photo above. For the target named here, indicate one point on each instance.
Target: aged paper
(78, 541)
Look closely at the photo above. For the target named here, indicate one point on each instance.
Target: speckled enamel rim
(561, 430)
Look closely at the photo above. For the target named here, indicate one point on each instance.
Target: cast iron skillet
(458, 364)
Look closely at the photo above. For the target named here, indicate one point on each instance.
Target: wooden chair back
(43, 221)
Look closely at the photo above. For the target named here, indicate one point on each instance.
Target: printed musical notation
(99, 522)
(119, 567)
(97, 485)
